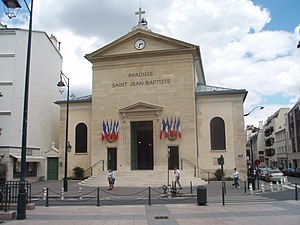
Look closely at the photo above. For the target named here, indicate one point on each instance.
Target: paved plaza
(240, 209)
(275, 213)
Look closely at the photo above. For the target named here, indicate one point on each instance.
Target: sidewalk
(283, 212)
(243, 212)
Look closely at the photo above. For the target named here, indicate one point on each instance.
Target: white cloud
(236, 52)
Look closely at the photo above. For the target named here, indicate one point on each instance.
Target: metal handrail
(195, 168)
(91, 168)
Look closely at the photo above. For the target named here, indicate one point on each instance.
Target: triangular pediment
(141, 107)
(153, 43)
(53, 151)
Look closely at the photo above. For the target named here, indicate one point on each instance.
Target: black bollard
(296, 192)
(149, 197)
(98, 197)
(7, 196)
(245, 184)
(191, 186)
(47, 197)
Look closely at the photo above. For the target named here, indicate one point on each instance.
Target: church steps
(141, 178)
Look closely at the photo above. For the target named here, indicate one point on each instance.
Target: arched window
(217, 134)
(81, 138)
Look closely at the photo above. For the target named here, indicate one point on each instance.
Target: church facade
(151, 109)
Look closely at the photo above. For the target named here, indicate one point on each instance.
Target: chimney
(261, 124)
(54, 41)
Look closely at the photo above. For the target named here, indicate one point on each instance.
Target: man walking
(236, 178)
(177, 177)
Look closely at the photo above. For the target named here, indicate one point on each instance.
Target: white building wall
(43, 114)
(277, 121)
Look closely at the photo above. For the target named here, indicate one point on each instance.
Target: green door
(52, 170)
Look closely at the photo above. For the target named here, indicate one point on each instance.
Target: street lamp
(260, 107)
(21, 207)
(61, 87)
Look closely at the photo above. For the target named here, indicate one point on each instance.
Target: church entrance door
(111, 159)
(174, 157)
(142, 145)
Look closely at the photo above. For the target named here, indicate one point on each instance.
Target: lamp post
(21, 207)
(260, 107)
(251, 177)
(61, 87)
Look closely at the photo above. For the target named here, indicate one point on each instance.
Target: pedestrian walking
(111, 180)
(236, 178)
(177, 177)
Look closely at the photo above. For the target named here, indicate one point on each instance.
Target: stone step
(142, 178)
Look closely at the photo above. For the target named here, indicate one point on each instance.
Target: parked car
(290, 172)
(274, 175)
(297, 172)
(262, 173)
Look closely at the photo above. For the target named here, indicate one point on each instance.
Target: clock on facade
(139, 44)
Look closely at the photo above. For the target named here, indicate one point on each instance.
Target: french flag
(117, 130)
(111, 129)
(107, 130)
(179, 128)
(175, 128)
(103, 131)
(162, 128)
(171, 128)
(167, 128)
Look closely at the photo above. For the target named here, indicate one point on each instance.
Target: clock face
(139, 44)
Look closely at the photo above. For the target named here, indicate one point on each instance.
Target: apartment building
(43, 114)
(293, 133)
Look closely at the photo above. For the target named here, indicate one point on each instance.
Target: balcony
(269, 142)
(270, 151)
(268, 131)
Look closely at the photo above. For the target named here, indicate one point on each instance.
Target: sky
(244, 44)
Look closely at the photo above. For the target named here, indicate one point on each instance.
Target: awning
(30, 158)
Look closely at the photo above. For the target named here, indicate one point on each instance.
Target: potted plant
(3, 171)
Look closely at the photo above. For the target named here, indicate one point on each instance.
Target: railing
(195, 167)
(9, 194)
(89, 172)
(98, 196)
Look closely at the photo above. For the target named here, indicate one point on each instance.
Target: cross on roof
(140, 12)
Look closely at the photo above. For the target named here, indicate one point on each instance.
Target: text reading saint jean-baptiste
(140, 83)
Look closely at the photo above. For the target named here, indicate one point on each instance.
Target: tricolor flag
(111, 129)
(117, 130)
(107, 130)
(162, 128)
(171, 128)
(103, 131)
(179, 128)
(167, 128)
(175, 128)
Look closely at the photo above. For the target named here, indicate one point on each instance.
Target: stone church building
(151, 110)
